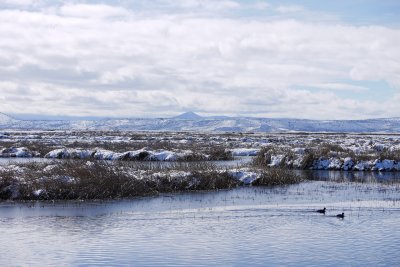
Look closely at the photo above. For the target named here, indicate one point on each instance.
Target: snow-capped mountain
(193, 122)
(188, 116)
(5, 119)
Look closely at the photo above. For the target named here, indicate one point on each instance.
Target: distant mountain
(5, 119)
(188, 116)
(192, 122)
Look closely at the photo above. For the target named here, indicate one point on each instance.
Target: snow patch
(16, 152)
(276, 160)
(69, 153)
(244, 175)
(245, 152)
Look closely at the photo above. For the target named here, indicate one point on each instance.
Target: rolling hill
(193, 122)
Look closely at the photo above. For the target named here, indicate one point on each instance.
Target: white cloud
(94, 11)
(289, 9)
(18, 2)
(85, 59)
(204, 4)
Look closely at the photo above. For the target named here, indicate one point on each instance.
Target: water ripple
(244, 227)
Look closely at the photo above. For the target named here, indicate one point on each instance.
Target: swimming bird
(340, 215)
(322, 211)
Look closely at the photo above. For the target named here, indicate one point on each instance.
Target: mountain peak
(190, 115)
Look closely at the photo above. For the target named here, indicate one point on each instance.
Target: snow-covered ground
(376, 152)
(243, 152)
(102, 154)
(17, 152)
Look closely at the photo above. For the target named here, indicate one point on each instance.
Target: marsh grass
(7, 184)
(83, 180)
(201, 151)
(387, 154)
(86, 180)
(321, 151)
(278, 177)
(263, 157)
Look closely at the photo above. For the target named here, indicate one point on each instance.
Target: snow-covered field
(359, 152)
(106, 157)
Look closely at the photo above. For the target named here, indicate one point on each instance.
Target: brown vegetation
(80, 180)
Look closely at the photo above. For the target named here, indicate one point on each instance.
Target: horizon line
(47, 117)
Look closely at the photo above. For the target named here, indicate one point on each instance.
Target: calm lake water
(249, 226)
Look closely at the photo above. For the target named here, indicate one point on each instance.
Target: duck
(322, 210)
(340, 215)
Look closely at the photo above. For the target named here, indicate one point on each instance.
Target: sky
(332, 59)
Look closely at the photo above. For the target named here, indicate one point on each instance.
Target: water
(249, 226)
(355, 176)
(237, 161)
(8, 161)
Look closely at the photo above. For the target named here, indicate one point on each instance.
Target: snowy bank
(16, 152)
(136, 155)
(244, 152)
(303, 161)
(245, 175)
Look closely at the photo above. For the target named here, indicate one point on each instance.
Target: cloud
(203, 4)
(18, 2)
(92, 11)
(289, 9)
(98, 59)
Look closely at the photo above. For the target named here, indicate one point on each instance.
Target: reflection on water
(243, 227)
(351, 176)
